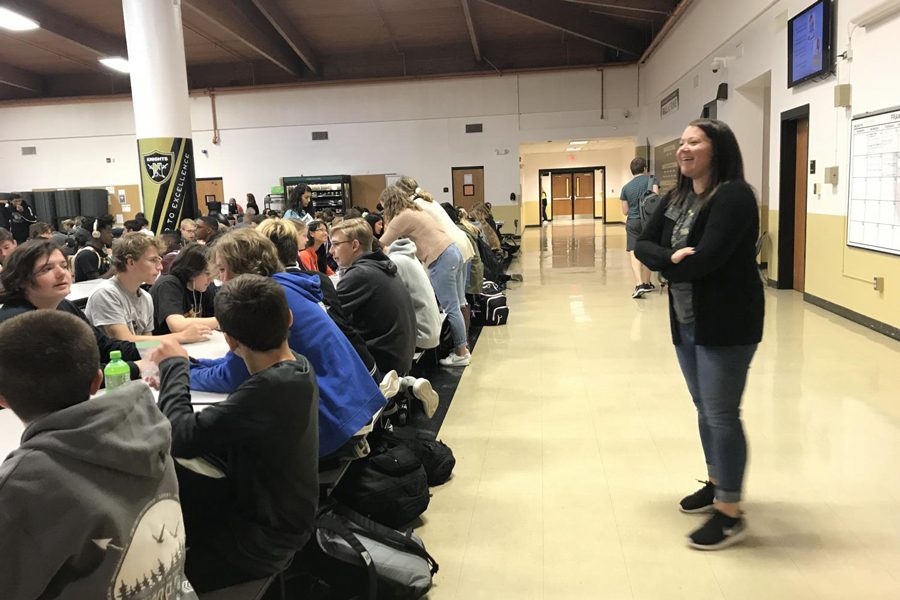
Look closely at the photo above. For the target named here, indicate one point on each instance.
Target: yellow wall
(770, 249)
(829, 260)
(508, 213)
(614, 212)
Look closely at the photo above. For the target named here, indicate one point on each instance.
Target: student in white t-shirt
(120, 307)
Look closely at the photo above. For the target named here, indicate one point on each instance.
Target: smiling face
(50, 281)
(695, 154)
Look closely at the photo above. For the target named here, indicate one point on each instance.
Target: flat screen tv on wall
(811, 43)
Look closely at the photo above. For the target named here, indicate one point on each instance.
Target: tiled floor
(575, 437)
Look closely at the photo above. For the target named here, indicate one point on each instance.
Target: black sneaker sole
(697, 511)
(729, 541)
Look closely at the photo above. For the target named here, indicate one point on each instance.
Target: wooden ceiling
(233, 43)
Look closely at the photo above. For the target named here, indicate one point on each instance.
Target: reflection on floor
(575, 437)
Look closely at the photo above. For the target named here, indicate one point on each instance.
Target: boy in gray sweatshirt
(89, 502)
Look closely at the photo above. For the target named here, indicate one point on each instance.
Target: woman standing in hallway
(703, 240)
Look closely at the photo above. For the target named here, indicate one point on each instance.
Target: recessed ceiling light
(116, 63)
(16, 22)
(570, 149)
(578, 143)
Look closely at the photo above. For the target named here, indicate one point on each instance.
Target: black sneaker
(649, 287)
(720, 531)
(639, 291)
(700, 501)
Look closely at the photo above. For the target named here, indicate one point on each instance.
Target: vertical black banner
(168, 184)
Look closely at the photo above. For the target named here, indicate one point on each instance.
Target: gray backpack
(649, 203)
(396, 564)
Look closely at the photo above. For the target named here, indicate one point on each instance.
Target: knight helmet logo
(159, 166)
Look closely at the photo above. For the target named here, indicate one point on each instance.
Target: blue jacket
(348, 396)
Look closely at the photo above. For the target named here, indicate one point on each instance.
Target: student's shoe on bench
(390, 385)
(421, 389)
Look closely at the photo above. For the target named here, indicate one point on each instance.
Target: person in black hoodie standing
(373, 297)
(249, 524)
(20, 218)
(703, 240)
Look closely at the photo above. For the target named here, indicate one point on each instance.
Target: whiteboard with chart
(873, 213)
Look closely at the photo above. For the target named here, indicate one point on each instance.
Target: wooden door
(584, 194)
(561, 195)
(209, 189)
(800, 192)
(468, 187)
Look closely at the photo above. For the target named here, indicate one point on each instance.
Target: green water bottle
(117, 372)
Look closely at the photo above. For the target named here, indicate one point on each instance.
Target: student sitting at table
(185, 296)
(7, 244)
(120, 307)
(90, 498)
(283, 233)
(92, 259)
(348, 396)
(37, 277)
(250, 524)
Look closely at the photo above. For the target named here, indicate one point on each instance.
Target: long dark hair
(295, 201)
(19, 269)
(727, 164)
(192, 260)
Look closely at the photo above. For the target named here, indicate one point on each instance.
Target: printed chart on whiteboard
(873, 220)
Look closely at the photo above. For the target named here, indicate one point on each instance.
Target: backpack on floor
(389, 485)
(360, 557)
(490, 306)
(436, 456)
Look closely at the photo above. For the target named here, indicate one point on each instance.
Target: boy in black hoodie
(89, 501)
(249, 524)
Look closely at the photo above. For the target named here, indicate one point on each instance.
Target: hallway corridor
(575, 438)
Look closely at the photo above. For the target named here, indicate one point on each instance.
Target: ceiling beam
(72, 29)
(657, 7)
(577, 21)
(470, 25)
(241, 19)
(24, 80)
(271, 11)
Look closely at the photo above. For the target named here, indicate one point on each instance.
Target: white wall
(417, 128)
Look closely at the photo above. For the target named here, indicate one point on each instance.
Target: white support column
(162, 116)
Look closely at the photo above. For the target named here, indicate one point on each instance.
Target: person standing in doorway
(544, 218)
(632, 194)
(703, 240)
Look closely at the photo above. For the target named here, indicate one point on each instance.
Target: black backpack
(490, 306)
(649, 203)
(390, 485)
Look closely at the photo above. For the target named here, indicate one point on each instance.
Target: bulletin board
(873, 210)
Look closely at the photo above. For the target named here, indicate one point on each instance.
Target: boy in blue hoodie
(348, 396)
(89, 502)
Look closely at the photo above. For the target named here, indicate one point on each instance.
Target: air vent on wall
(318, 136)
(29, 150)
(474, 128)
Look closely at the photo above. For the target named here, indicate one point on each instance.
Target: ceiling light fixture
(13, 21)
(571, 149)
(578, 143)
(116, 63)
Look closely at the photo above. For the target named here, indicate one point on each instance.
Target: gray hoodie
(415, 278)
(89, 505)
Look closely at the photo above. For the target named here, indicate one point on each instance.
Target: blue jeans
(448, 278)
(715, 377)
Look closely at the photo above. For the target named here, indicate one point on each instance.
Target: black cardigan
(727, 290)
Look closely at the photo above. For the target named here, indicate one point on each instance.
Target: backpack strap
(329, 523)
(386, 535)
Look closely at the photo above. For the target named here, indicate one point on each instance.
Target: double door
(572, 194)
